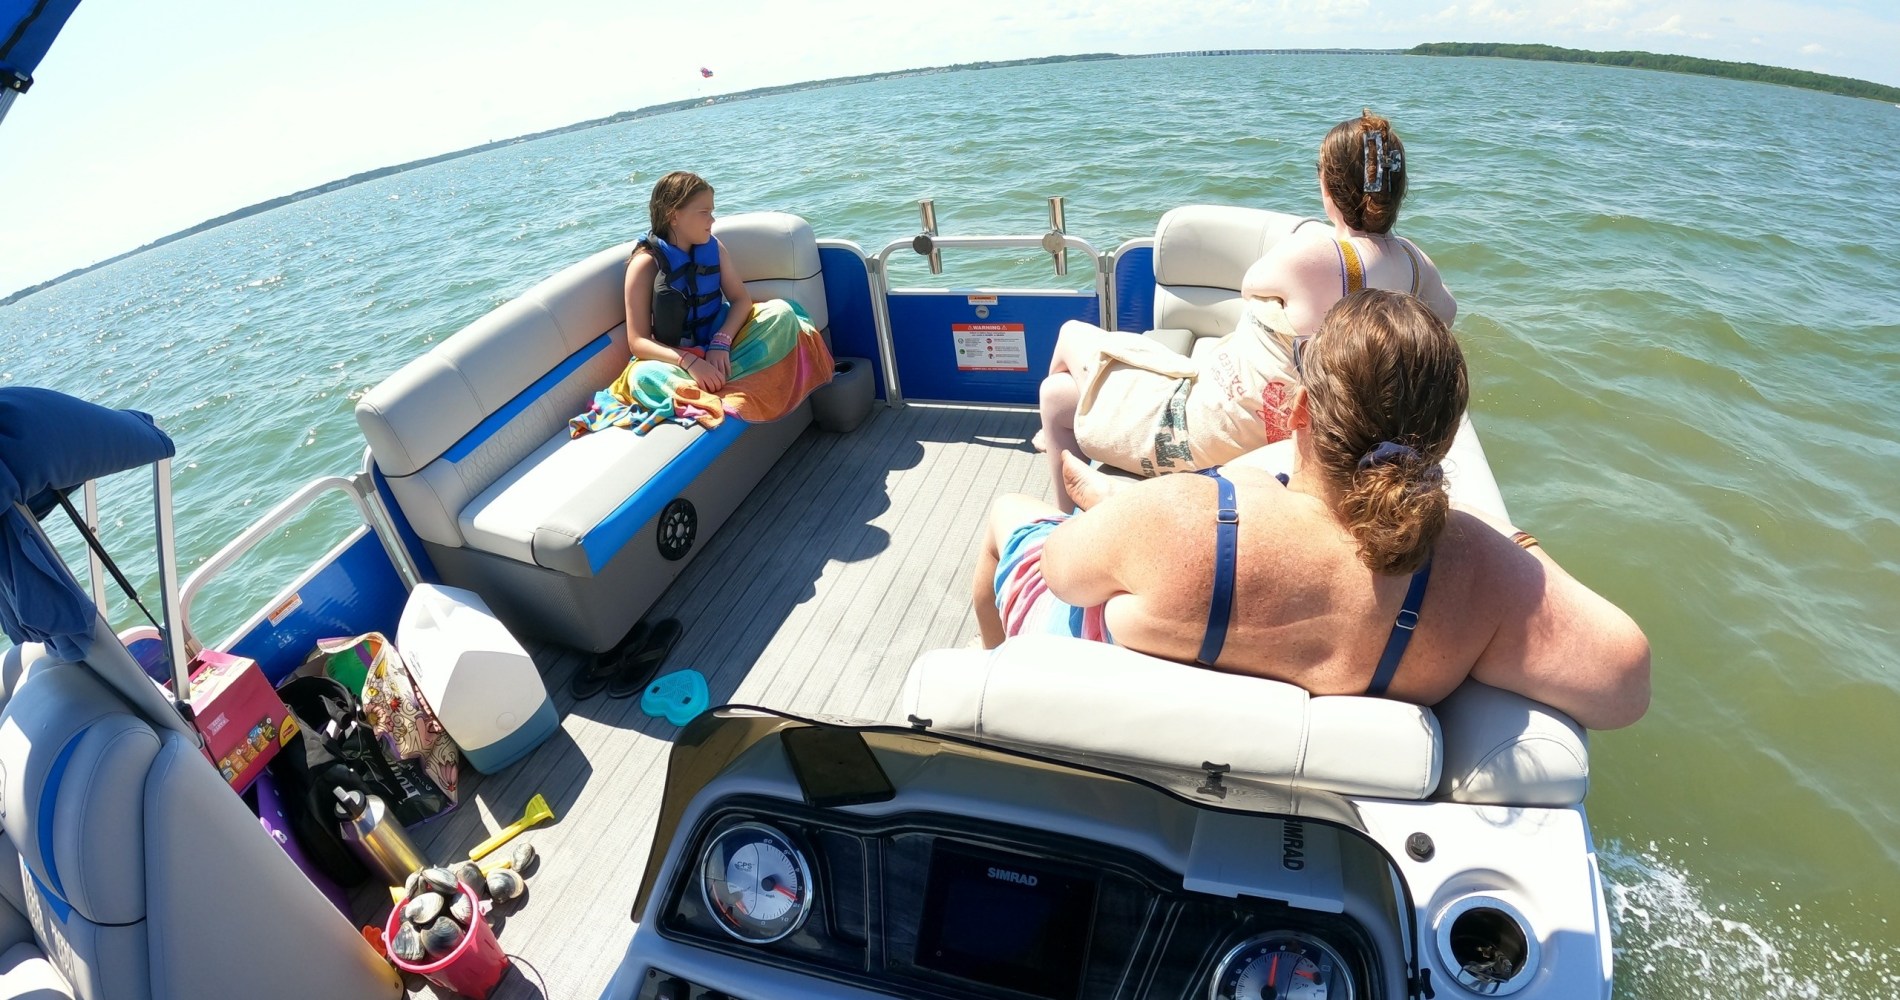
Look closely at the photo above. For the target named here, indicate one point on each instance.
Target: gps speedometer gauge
(756, 882)
(1282, 965)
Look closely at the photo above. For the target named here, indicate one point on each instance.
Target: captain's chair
(1201, 254)
(139, 874)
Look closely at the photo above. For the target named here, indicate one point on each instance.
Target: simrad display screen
(1006, 920)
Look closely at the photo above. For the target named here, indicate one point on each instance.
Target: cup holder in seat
(1487, 943)
(842, 405)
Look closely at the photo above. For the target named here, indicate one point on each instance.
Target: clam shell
(523, 857)
(413, 884)
(470, 874)
(505, 883)
(422, 910)
(440, 879)
(408, 944)
(462, 910)
(441, 937)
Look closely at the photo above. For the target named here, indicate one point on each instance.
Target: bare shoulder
(1288, 264)
(1164, 493)
(641, 265)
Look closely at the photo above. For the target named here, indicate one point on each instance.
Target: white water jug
(483, 686)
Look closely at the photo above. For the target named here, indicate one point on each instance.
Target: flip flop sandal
(593, 680)
(639, 666)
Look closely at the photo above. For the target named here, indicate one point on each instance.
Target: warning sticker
(990, 347)
(282, 611)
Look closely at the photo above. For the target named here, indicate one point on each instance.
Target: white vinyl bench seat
(563, 535)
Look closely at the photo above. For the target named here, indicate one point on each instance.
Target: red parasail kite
(703, 71)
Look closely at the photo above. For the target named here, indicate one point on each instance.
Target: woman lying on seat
(1353, 575)
(700, 346)
(1127, 400)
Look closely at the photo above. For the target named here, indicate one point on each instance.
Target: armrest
(1178, 340)
(1505, 749)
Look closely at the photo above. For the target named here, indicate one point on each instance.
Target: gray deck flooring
(851, 557)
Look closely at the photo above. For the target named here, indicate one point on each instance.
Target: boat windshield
(711, 743)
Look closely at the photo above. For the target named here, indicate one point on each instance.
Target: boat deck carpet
(849, 559)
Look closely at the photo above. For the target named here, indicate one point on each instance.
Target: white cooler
(482, 684)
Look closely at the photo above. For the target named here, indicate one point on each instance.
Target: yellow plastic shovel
(537, 812)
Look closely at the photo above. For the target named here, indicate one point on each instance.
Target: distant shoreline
(1683, 64)
(1753, 72)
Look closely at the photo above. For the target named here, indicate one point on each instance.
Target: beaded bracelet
(1524, 539)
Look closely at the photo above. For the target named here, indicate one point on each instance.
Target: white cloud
(1491, 12)
(1813, 49)
(1673, 26)
(1593, 15)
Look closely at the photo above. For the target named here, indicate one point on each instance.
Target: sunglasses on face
(1299, 353)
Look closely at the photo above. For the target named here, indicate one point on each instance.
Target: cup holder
(843, 404)
(1487, 944)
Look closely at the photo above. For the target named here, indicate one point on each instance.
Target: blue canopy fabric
(27, 30)
(50, 441)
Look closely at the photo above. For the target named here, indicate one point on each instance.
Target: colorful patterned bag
(401, 718)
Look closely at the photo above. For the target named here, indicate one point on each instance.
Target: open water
(1678, 295)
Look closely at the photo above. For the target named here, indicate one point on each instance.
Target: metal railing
(357, 488)
(929, 243)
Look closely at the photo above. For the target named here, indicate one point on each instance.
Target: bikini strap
(1352, 273)
(1220, 607)
(1401, 632)
(1411, 254)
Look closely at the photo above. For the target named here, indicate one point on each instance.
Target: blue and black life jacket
(693, 276)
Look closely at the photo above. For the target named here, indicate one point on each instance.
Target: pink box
(243, 721)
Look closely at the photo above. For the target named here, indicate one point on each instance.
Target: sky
(149, 118)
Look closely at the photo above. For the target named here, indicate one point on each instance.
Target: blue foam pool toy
(678, 696)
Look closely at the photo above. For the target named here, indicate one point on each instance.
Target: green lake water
(1678, 296)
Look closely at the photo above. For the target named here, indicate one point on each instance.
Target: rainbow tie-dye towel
(778, 358)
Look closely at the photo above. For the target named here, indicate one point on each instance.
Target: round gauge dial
(1282, 965)
(756, 883)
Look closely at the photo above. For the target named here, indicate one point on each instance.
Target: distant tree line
(1673, 64)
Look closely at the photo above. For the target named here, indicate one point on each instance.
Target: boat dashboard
(956, 872)
(937, 906)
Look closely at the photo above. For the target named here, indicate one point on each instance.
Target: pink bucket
(473, 969)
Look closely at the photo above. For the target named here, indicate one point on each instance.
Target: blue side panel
(1135, 290)
(358, 592)
(404, 533)
(523, 399)
(605, 540)
(922, 323)
(848, 300)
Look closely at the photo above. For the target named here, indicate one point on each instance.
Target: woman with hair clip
(1353, 574)
(1129, 401)
(1362, 180)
